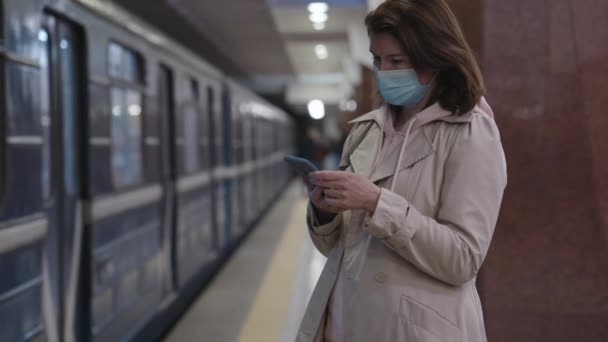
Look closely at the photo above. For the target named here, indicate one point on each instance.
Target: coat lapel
(362, 157)
(418, 147)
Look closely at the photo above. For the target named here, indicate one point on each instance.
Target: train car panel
(125, 277)
(194, 235)
(216, 156)
(125, 175)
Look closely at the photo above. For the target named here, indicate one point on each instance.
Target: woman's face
(388, 55)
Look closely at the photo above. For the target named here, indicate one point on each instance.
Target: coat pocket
(425, 324)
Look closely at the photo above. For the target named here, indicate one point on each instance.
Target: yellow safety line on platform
(266, 318)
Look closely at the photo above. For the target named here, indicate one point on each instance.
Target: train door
(228, 163)
(219, 201)
(66, 131)
(216, 194)
(195, 246)
(169, 176)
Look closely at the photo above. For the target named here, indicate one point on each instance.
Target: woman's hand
(323, 212)
(345, 191)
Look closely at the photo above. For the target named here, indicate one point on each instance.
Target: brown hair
(431, 37)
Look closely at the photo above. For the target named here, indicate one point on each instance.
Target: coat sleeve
(325, 237)
(452, 246)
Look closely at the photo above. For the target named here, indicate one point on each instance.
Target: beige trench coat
(408, 272)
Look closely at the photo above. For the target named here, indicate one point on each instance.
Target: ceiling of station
(243, 30)
(315, 75)
(239, 36)
(301, 38)
(270, 44)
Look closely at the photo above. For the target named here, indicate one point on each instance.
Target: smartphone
(301, 165)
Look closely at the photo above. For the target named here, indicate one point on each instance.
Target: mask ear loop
(433, 79)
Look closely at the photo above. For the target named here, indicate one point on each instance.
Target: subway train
(131, 169)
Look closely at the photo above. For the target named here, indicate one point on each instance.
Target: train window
(45, 119)
(115, 60)
(167, 121)
(126, 72)
(124, 64)
(202, 121)
(211, 140)
(194, 91)
(191, 123)
(126, 137)
(69, 104)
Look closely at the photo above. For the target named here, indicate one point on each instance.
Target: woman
(407, 223)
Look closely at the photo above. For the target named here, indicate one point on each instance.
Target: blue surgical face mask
(400, 87)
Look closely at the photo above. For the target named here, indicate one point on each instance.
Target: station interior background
(546, 68)
(545, 65)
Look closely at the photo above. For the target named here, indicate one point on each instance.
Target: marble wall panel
(546, 68)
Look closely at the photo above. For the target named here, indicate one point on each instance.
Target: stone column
(546, 68)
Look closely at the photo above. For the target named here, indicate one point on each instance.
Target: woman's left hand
(346, 190)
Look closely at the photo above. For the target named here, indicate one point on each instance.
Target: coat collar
(418, 148)
(378, 115)
(362, 158)
(375, 115)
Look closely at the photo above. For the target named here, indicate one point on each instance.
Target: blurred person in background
(319, 147)
(408, 221)
(332, 159)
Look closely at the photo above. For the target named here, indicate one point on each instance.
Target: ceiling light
(316, 109)
(321, 51)
(318, 26)
(317, 7)
(348, 105)
(318, 17)
(351, 105)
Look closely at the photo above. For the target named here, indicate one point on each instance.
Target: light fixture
(318, 26)
(116, 111)
(318, 17)
(348, 105)
(244, 107)
(43, 36)
(316, 109)
(351, 105)
(318, 14)
(321, 51)
(134, 110)
(318, 7)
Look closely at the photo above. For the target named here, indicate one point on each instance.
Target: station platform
(262, 291)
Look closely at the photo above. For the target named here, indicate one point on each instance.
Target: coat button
(380, 277)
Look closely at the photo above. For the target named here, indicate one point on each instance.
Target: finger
(309, 186)
(326, 207)
(323, 206)
(334, 184)
(334, 193)
(327, 175)
(316, 194)
(336, 203)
